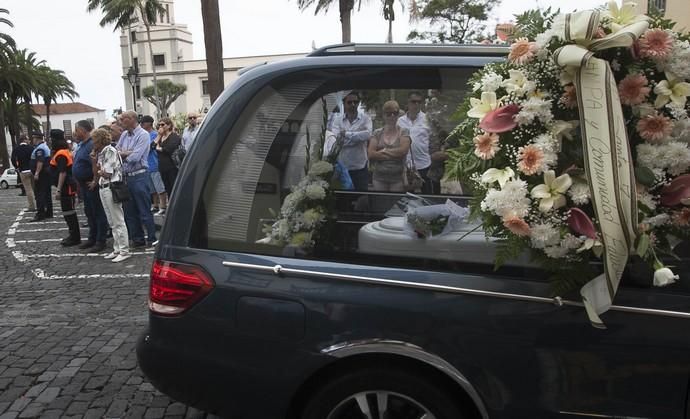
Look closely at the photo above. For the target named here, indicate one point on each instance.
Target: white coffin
(387, 237)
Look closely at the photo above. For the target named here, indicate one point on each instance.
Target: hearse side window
(276, 138)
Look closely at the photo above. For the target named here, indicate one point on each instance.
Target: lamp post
(133, 78)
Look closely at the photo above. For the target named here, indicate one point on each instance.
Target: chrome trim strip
(558, 301)
(385, 346)
(597, 415)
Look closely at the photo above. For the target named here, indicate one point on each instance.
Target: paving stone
(117, 409)
(77, 408)
(154, 413)
(34, 410)
(48, 395)
(94, 414)
(175, 409)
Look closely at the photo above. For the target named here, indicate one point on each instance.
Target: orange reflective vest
(65, 153)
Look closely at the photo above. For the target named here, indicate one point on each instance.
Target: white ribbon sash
(608, 160)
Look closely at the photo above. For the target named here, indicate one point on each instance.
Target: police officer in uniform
(40, 159)
(61, 166)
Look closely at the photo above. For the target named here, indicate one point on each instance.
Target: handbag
(177, 156)
(413, 181)
(119, 188)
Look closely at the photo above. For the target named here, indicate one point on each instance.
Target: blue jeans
(95, 214)
(138, 209)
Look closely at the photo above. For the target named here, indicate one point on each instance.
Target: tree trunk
(346, 7)
(153, 65)
(29, 115)
(4, 153)
(214, 48)
(46, 134)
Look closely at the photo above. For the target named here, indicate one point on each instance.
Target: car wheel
(378, 393)
(4, 184)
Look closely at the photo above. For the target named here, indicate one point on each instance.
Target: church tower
(171, 44)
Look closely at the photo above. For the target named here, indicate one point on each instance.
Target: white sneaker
(154, 244)
(160, 212)
(120, 258)
(111, 255)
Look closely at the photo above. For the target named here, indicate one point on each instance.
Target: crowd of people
(123, 173)
(405, 144)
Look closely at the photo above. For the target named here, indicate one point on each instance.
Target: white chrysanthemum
(647, 199)
(491, 82)
(550, 146)
(283, 229)
(320, 168)
(679, 61)
(657, 220)
(311, 218)
(315, 192)
(556, 252)
(556, 31)
(543, 235)
(676, 157)
(579, 193)
(534, 108)
(648, 155)
(511, 200)
(571, 242)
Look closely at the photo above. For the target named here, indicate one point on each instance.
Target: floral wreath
(576, 148)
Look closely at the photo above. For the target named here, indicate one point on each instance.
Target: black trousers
(168, 176)
(67, 197)
(44, 201)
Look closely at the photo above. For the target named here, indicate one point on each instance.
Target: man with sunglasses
(189, 133)
(354, 129)
(416, 123)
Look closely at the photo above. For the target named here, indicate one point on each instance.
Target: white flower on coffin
(497, 175)
(622, 16)
(551, 191)
(518, 83)
(480, 107)
(671, 90)
(594, 244)
(563, 129)
(664, 276)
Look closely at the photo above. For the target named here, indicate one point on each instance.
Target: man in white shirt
(416, 122)
(190, 131)
(354, 129)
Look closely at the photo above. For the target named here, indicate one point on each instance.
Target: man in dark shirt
(84, 174)
(21, 159)
(40, 157)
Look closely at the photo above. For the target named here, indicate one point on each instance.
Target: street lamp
(133, 78)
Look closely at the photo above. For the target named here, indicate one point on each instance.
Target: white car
(9, 178)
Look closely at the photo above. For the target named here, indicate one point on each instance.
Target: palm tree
(214, 47)
(123, 12)
(7, 46)
(52, 85)
(28, 64)
(345, 7)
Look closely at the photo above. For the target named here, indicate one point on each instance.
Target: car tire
(4, 184)
(404, 395)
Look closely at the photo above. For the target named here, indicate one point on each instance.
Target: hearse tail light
(175, 287)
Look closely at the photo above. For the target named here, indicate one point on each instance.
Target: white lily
(563, 129)
(480, 107)
(622, 16)
(671, 90)
(594, 244)
(551, 191)
(567, 75)
(664, 276)
(497, 175)
(518, 83)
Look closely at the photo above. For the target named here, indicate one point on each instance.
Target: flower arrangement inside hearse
(576, 147)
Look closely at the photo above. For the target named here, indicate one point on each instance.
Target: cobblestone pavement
(69, 322)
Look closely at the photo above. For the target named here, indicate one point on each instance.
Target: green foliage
(453, 21)
(168, 92)
(533, 22)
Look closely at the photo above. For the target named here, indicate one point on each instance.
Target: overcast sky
(68, 38)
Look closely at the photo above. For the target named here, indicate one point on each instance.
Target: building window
(159, 60)
(136, 63)
(656, 5)
(167, 13)
(133, 36)
(67, 127)
(204, 87)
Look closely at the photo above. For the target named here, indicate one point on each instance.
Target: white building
(172, 55)
(64, 115)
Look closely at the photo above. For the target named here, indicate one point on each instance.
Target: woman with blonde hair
(388, 148)
(110, 170)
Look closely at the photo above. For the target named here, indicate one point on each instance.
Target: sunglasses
(396, 113)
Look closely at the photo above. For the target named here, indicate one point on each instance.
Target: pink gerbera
(633, 89)
(569, 98)
(522, 51)
(517, 226)
(654, 127)
(486, 146)
(656, 43)
(531, 160)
